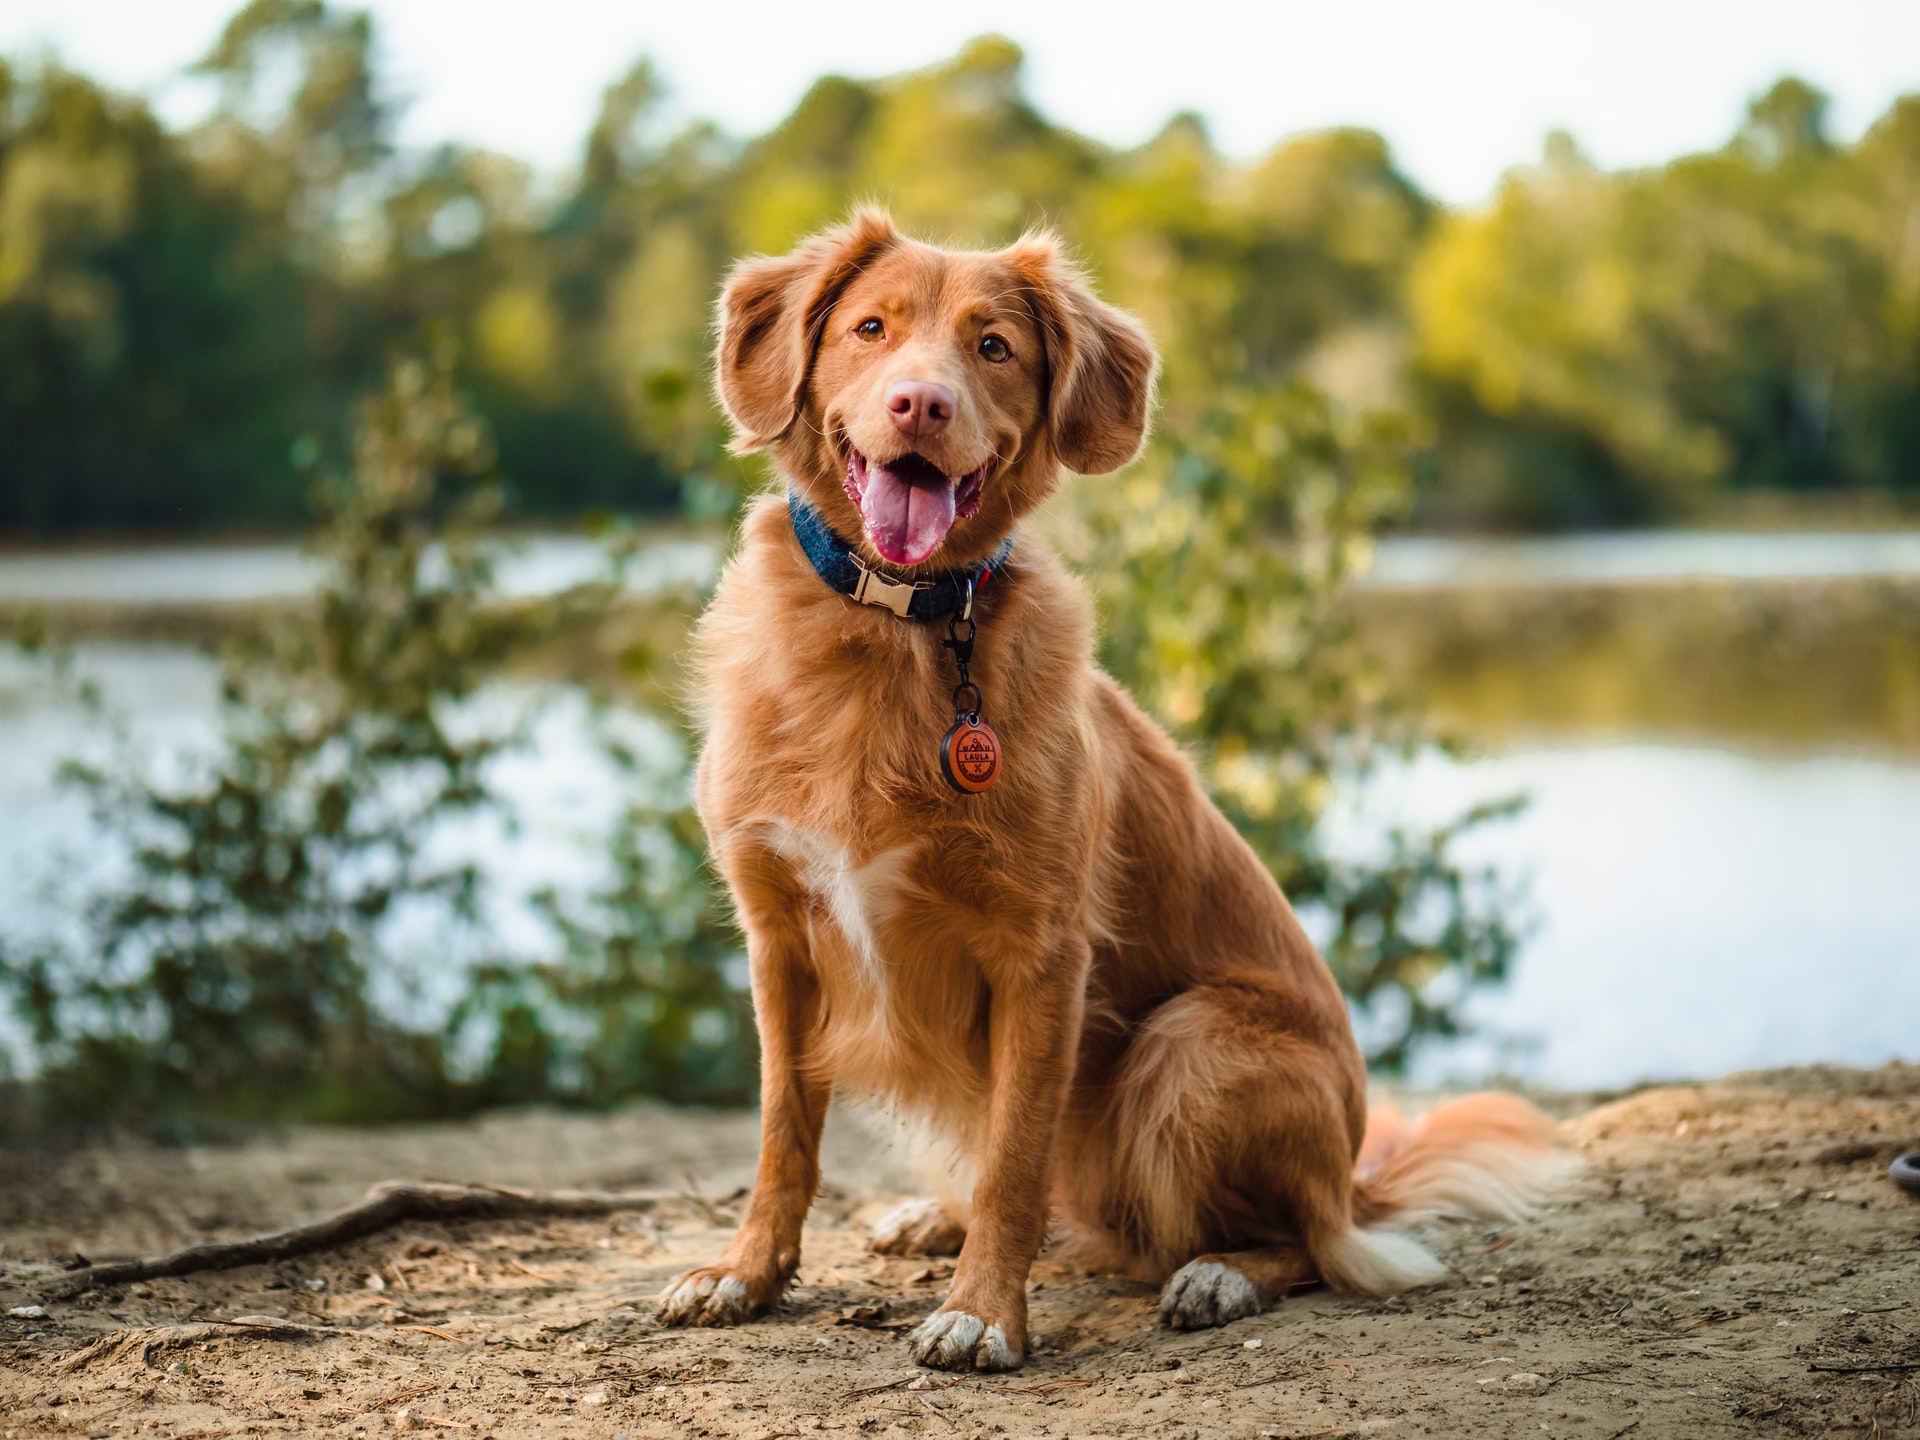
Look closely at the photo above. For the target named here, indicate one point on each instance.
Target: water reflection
(215, 575)
(541, 564)
(1799, 665)
(1698, 911)
(1632, 557)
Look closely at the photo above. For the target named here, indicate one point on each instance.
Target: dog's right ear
(771, 315)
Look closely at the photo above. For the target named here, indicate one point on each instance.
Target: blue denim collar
(949, 593)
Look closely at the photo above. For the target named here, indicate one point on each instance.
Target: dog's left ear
(1102, 364)
(771, 315)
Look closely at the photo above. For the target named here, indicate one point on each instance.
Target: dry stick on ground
(148, 1342)
(387, 1204)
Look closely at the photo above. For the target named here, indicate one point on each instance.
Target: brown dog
(1080, 979)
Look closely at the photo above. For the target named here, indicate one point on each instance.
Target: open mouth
(909, 504)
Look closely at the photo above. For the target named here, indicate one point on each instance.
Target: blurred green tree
(302, 118)
(148, 376)
(1592, 347)
(1635, 347)
(1221, 563)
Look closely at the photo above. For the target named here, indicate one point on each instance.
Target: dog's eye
(870, 328)
(995, 349)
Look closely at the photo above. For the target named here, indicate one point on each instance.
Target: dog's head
(924, 400)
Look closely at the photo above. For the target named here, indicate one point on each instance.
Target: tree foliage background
(186, 316)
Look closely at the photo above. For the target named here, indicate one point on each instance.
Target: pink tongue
(907, 519)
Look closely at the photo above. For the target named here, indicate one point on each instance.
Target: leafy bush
(249, 966)
(1221, 562)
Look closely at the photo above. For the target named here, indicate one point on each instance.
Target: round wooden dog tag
(970, 755)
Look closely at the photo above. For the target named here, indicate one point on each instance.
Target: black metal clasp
(966, 695)
(962, 647)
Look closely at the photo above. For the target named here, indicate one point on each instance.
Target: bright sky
(1463, 89)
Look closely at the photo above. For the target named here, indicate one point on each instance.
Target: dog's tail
(1484, 1157)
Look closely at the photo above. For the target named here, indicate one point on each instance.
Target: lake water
(1637, 556)
(230, 574)
(1698, 911)
(236, 574)
(1698, 907)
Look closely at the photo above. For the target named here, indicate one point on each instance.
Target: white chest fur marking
(859, 897)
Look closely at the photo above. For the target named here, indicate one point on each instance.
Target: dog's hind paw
(706, 1297)
(1205, 1293)
(919, 1227)
(956, 1340)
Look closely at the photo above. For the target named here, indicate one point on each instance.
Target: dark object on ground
(149, 1342)
(386, 1205)
(1905, 1172)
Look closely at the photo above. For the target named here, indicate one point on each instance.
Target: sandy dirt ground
(1733, 1262)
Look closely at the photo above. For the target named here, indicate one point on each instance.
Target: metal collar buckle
(886, 592)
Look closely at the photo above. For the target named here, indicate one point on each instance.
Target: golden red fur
(1082, 981)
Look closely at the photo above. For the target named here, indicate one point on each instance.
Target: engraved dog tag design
(970, 755)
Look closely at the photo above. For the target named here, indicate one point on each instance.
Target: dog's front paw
(710, 1296)
(1203, 1293)
(960, 1340)
(919, 1227)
